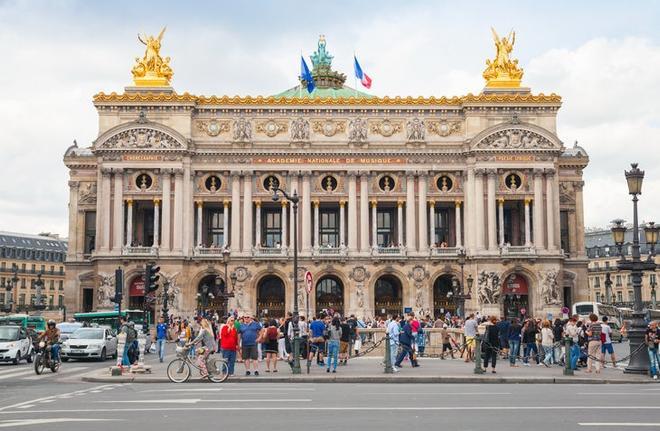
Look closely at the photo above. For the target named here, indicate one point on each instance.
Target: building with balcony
(395, 193)
(25, 257)
(603, 255)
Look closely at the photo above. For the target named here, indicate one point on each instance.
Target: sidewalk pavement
(370, 370)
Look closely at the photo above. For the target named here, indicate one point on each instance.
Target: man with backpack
(593, 331)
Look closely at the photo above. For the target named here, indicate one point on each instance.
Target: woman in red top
(229, 343)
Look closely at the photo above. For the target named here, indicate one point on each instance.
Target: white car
(94, 343)
(66, 329)
(15, 344)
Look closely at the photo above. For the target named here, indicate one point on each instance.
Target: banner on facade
(136, 287)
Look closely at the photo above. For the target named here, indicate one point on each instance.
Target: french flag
(359, 74)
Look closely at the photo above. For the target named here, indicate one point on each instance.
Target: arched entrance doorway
(210, 294)
(387, 296)
(443, 300)
(136, 293)
(515, 291)
(330, 295)
(271, 297)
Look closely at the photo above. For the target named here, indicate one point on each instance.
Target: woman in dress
(270, 342)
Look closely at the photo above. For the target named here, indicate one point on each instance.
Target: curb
(381, 379)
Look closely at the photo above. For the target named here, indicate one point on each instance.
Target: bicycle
(179, 369)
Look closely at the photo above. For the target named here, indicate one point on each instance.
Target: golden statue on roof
(502, 72)
(152, 70)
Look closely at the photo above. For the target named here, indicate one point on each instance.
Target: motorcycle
(43, 359)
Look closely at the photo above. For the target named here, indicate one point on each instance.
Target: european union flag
(306, 75)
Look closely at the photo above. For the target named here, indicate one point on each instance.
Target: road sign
(564, 310)
(308, 281)
(523, 311)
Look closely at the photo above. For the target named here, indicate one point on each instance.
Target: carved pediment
(141, 138)
(517, 136)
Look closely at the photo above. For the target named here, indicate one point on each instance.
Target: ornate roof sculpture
(152, 70)
(329, 83)
(502, 72)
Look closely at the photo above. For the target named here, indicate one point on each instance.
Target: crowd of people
(330, 340)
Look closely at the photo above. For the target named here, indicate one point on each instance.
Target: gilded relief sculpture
(152, 70)
(502, 72)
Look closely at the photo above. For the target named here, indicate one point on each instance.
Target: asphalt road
(77, 406)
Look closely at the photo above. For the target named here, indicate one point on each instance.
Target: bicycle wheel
(178, 371)
(218, 370)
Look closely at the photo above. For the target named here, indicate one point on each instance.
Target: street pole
(568, 370)
(388, 355)
(477, 355)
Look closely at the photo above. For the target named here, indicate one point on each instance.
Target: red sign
(515, 284)
(136, 287)
(308, 281)
(523, 311)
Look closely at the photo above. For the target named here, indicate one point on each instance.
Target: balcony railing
(444, 251)
(140, 251)
(270, 251)
(388, 251)
(517, 250)
(330, 251)
(208, 251)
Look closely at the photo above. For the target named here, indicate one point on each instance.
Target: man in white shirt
(607, 347)
(470, 331)
(393, 330)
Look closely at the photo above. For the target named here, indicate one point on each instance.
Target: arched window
(330, 295)
(387, 296)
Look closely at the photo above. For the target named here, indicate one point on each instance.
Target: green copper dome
(329, 83)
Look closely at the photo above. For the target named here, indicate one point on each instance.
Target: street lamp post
(639, 360)
(204, 295)
(39, 299)
(458, 290)
(653, 300)
(9, 285)
(609, 297)
(294, 199)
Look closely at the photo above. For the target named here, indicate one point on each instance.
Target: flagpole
(299, 82)
(354, 75)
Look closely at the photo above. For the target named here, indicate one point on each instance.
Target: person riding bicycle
(52, 338)
(205, 336)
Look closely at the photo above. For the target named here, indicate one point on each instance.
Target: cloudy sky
(602, 57)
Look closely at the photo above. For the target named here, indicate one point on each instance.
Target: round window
(329, 183)
(271, 182)
(513, 181)
(386, 183)
(444, 183)
(143, 181)
(213, 183)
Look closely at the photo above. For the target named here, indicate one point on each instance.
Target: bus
(36, 323)
(584, 309)
(111, 318)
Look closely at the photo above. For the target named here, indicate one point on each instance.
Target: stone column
(235, 240)
(411, 243)
(374, 223)
(225, 223)
(479, 208)
(364, 212)
(188, 210)
(352, 212)
(399, 221)
(75, 246)
(470, 219)
(459, 231)
(431, 223)
(528, 241)
(423, 231)
(129, 222)
(306, 212)
(316, 224)
(550, 207)
(165, 225)
(105, 215)
(492, 218)
(573, 232)
(538, 209)
(257, 223)
(284, 224)
(178, 211)
(198, 236)
(342, 223)
(118, 213)
(294, 188)
(579, 218)
(500, 206)
(247, 212)
(156, 222)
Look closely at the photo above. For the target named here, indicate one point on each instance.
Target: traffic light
(119, 286)
(151, 278)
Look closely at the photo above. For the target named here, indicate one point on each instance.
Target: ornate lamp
(634, 177)
(470, 281)
(619, 234)
(651, 234)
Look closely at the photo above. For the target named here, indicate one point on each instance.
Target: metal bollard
(388, 355)
(568, 371)
(477, 355)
